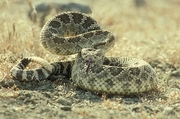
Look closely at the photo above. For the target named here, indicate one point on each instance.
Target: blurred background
(146, 29)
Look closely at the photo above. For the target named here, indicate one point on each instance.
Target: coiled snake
(73, 32)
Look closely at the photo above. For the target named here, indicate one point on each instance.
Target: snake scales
(73, 32)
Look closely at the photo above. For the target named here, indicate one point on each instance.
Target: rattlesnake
(73, 32)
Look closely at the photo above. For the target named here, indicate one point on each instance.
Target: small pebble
(64, 101)
(168, 110)
(66, 108)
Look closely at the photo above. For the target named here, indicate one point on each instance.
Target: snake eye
(90, 49)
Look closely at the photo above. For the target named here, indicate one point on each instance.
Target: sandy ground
(150, 32)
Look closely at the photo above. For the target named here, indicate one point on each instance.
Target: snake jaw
(88, 64)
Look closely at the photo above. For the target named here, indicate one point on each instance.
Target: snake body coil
(74, 32)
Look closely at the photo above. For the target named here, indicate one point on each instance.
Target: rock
(168, 110)
(40, 11)
(66, 108)
(64, 101)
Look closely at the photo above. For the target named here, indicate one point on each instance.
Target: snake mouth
(88, 64)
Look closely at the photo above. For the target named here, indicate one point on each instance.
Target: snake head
(91, 56)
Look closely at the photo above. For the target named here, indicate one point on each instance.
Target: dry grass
(150, 32)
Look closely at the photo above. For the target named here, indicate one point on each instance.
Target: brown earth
(150, 31)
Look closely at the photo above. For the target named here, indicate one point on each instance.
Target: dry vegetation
(151, 33)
